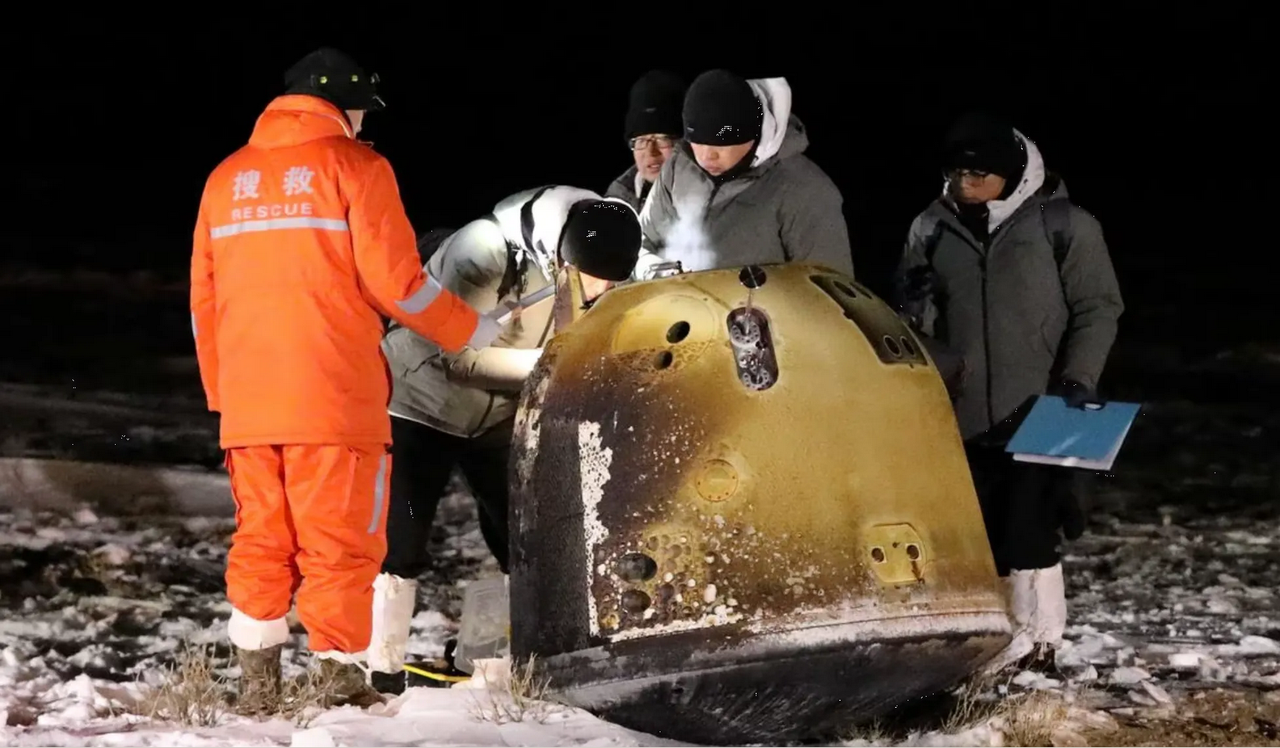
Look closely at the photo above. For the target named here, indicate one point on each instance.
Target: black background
(1156, 121)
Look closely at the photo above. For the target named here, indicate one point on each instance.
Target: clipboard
(1088, 438)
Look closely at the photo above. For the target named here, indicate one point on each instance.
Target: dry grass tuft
(305, 697)
(1032, 719)
(516, 695)
(978, 701)
(192, 691)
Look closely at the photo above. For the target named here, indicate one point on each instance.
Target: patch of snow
(1170, 593)
(594, 460)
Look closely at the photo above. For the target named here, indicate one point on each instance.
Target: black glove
(1076, 394)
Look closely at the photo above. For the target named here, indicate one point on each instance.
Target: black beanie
(654, 106)
(984, 143)
(721, 109)
(601, 238)
(335, 77)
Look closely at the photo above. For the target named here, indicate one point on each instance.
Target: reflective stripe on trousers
(379, 494)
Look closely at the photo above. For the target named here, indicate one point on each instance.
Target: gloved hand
(1076, 394)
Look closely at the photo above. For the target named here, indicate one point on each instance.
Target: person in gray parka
(1006, 272)
(738, 189)
(652, 127)
(457, 410)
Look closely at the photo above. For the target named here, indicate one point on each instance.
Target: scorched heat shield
(741, 511)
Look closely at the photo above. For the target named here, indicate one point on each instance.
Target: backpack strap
(1057, 227)
(511, 275)
(932, 237)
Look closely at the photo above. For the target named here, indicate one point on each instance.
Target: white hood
(549, 212)
(775, 96)
(998, 211)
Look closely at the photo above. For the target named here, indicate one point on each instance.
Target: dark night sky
(1156, 125)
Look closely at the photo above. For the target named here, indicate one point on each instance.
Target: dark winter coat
(630, 187)
(1019, 321)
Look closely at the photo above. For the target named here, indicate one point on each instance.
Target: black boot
(345, 684)
(389, 683)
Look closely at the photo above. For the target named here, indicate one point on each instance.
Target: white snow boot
(394, 599)
(1037, 614)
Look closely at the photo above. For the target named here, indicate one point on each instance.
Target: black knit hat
(335, 77)
(721, 109)
(654, 106)
(984, 143)
(601, 238)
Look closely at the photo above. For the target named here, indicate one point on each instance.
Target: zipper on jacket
(706, 209)
(986, 336)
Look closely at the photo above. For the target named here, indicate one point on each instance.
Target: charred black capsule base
(714, 688)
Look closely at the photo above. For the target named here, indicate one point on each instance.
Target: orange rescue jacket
(301, 243)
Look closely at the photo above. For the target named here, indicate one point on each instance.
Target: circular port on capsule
(677, 332)
(744, 332)
(636, 567)
(752, 276)
(635, 602)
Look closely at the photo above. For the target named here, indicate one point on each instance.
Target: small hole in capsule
(636, 567)
(845, 289)
(635, 601)
(677, 332)
(752, 276)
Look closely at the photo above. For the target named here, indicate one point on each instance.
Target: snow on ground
(1174, 605)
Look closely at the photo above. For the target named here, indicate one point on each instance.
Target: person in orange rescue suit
(301, 247)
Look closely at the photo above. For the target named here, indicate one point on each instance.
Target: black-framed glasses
(974, 173)
(645, 142)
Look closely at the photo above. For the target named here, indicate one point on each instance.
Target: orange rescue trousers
(311, 520)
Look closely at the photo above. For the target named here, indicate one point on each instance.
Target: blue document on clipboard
(1089, 438)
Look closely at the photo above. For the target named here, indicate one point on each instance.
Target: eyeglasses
(646, 142)
(975, 173)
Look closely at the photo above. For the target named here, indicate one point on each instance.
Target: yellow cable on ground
(436, 676)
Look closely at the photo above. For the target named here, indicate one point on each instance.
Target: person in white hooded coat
(457, 410)
(739, 189)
